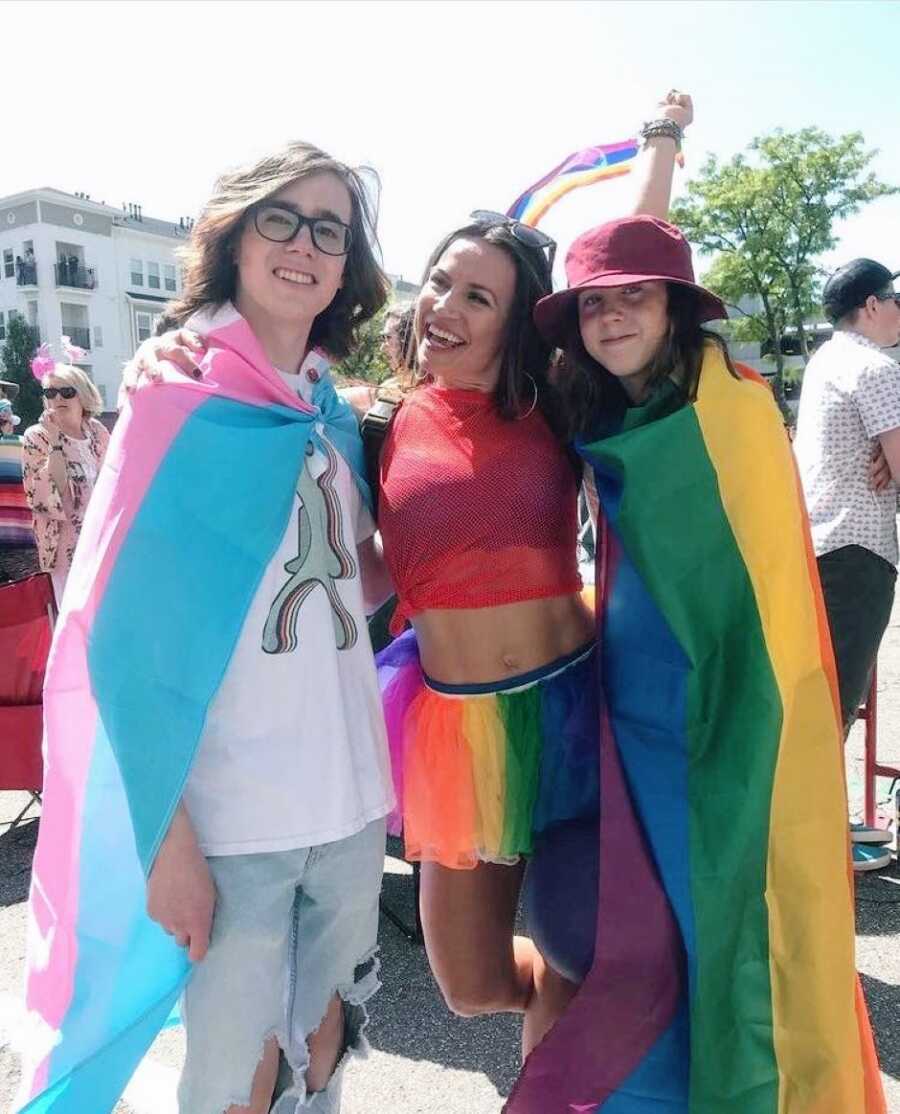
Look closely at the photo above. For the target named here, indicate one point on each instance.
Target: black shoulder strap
(374, 427)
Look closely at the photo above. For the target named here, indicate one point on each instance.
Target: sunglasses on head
(524, 233)
(63, 392)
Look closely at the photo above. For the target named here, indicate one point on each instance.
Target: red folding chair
(873, 768)
(27, 615)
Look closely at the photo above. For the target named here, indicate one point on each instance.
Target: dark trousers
(858, 587)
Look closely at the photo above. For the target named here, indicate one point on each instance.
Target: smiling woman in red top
(491, 697)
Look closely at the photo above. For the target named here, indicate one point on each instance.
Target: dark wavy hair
(209, 270)
(587, 391)
(525, 352)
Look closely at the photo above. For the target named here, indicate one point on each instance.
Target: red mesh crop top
(475, 510)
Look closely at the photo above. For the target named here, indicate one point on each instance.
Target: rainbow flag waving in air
(583, 168)
(190, 505)
(723, 979)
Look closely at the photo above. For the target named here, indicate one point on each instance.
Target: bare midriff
(479, 645)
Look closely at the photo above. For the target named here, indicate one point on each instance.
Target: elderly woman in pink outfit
(63, 452)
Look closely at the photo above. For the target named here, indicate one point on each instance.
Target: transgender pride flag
(191, 503)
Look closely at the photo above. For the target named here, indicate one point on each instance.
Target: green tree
(367, 361)
(769, 216)
(15, 355)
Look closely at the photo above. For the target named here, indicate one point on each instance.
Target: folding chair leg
(35, 799)
(414, 934)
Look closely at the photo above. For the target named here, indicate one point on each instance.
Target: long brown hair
(587, 390)
(210, 275)
(526, 355)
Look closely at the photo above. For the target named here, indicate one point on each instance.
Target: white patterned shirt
(851, 394)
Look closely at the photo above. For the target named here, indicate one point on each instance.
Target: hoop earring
(530, 409)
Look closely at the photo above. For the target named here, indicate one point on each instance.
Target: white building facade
(100, 275)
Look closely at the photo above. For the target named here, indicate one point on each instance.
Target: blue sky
(458, 105)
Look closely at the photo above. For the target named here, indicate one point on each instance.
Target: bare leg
(468, 918)
(552, 994)
(326, 1045)
(263, 1082)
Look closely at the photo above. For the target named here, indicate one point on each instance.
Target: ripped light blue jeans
(290, 928)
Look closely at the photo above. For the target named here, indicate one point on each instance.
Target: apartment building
(98, 274)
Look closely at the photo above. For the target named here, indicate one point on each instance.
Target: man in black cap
(850, 407)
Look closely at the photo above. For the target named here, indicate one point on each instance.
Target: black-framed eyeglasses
(524, 233)
(280, 225)
(889, 296)
(63, 392)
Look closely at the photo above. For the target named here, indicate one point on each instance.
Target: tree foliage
(769, 215)
(367, 361)
(15, 356)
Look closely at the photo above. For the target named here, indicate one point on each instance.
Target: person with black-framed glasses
(849, 412)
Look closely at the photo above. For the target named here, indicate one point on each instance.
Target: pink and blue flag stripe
(191, 503)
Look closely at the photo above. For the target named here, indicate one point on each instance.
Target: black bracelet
(662, 128)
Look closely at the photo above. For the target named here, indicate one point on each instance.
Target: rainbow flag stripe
(191, 503)
(582, 168)
(722, 788)
(15, 514)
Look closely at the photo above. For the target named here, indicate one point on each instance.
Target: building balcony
(78, 335)
(82, 278)
(26, 274)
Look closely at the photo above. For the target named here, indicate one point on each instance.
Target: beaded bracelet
(664, 127)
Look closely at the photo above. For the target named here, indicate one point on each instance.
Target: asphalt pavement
(423, 1060)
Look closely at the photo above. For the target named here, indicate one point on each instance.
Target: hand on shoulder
(181, 348)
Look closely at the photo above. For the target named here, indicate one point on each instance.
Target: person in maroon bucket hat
(703, 543)
(633, 315)
(620, 253)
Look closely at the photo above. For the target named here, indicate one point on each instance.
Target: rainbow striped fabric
(723, 977)
(191, 503)
(582, 168)
(15, 514)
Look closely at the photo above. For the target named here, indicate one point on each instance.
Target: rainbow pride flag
(723, 976)
(15, 514)
(190, 505)
(582, 168)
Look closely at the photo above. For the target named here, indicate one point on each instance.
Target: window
(153, 276)
(137, 272)
(145, 323)
(169, 276)
(98, 336)
(9, 266)
(2, 326)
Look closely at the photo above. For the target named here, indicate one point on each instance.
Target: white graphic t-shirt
(851, 394)
(294, 752)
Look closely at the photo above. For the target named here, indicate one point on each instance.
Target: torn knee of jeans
(294, 1059)
(244, 1097)
(366, 980)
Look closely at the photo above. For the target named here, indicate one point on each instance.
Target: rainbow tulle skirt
(481, 771)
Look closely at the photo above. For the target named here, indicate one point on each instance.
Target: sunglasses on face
(63, 392)
(280, 225)
(524, 233)
(889, 296)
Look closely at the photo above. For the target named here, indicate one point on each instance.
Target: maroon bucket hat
(619, 253)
